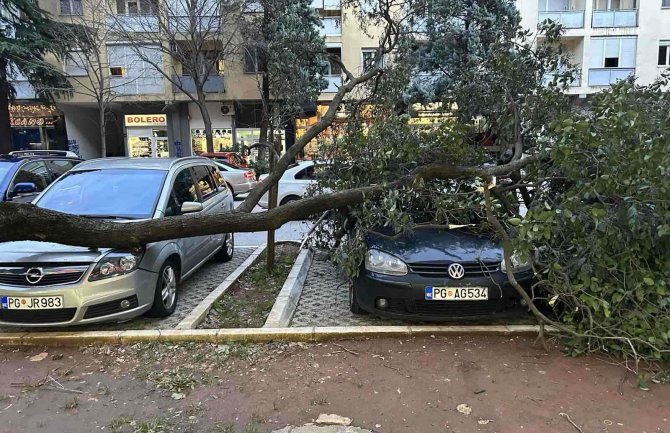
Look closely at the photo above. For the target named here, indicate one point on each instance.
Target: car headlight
(519, 263)
(384, 263)
(116, 263)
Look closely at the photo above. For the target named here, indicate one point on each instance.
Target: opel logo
(34, 275)
(456, 271)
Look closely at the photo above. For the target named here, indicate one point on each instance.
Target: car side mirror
(24, 188)
(191, 207)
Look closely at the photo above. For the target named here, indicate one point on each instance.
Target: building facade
(149, 115)
(607, 40)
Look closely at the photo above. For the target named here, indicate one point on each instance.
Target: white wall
(653, 26)
(214, 108)
(82, 125)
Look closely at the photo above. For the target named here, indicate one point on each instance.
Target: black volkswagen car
(435, 275)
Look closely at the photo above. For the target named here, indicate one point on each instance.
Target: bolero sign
(145, 120)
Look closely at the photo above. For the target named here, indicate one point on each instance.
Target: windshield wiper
(107, 217)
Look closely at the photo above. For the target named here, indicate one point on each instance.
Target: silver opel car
(46, 284)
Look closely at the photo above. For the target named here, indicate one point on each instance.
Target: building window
(664, 53)
(75, 64)
(666, 4)
(253, 60)
(209, 64)
(70, 7)
(368, 62)
(136, 7)
(611, 59)
(117, 71)
(614, 5)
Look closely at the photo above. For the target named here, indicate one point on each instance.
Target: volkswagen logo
(456, 271)
(34, 275)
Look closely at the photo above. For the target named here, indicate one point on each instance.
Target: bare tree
(195, 37)
(45, 225)
(87, 64)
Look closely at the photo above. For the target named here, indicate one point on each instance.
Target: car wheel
(289, 199)
(226, 252)
(354, 307)
(165, 296)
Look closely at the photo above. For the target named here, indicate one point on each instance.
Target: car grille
(447, 309)
(472, 269)
(37, 316)
(52, 275)
(111, 307)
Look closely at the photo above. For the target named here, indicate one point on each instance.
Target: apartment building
(149, 115)
(607, 39)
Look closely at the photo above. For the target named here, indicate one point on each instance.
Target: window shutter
(628, 49)
(596, 53)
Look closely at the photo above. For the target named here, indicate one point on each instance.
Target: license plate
(457, 293)
(31, 303)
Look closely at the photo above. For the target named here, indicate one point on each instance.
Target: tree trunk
(103, 130)
(5, 125)
(206, 119)
(272, 203)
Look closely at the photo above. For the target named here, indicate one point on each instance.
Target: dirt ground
(385, 385)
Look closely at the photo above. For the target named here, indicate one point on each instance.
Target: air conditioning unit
(227, 109)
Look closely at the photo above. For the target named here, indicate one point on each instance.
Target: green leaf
(648, 281)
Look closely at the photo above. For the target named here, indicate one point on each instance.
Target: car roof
(163, 164)
(19, 158)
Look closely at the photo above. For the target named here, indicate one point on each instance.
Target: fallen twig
(566, 416)
(346, 350)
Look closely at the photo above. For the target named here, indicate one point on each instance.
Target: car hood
(439, 246)
(45, 252)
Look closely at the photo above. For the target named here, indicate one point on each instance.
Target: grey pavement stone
(325, 300)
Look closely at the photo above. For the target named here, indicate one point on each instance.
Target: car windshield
(4, 169)
(112, 193)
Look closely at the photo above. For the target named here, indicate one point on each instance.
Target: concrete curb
(199, 313)
(256, 335)
(287, 300)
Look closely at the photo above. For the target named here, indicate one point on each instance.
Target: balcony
(549, 77)
(133, 23)
(568, 19)
(330, 26)
(186, 24)
(334, 83)
(214, 84)
(600, 77)
(615, 18)
(136, 85)
(329, 5)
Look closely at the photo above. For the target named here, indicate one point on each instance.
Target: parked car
(46, 284)
(239, 180)
(433, 275)
(293, 184)
(227, 157)
(24, 174)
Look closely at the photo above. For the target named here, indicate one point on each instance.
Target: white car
(293, 184)
(239, 180)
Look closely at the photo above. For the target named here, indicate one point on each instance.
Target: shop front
(221, 116)
(147, 135)
(36, 126)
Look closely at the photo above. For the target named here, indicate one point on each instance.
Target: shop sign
(146, 120)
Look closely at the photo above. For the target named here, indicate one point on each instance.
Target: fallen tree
(21, 221)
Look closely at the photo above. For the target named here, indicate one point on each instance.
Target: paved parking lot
(191, 292)
(325, 300)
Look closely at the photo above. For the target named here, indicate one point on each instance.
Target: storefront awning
(32, 115)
